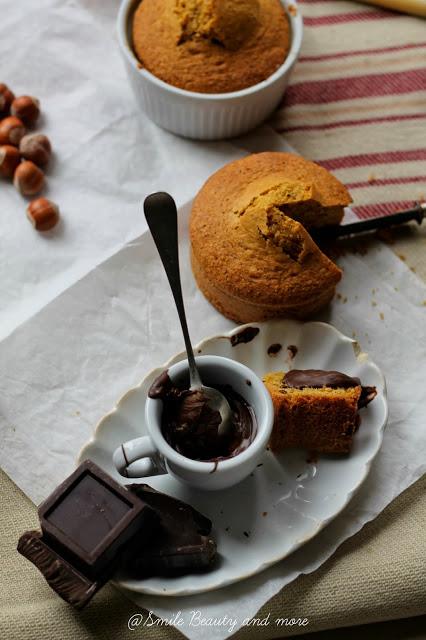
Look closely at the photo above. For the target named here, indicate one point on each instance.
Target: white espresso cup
(152, 455)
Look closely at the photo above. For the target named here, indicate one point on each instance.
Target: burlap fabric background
(357, 105)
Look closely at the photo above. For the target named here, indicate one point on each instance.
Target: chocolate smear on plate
(244, 336)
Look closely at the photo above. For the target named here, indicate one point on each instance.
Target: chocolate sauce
(316, 379)
(367, 395)
(245, 335)
(191, 427)
(292, 351)
(161, 386)
(275, 348)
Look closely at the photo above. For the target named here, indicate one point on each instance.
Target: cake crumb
(382, 316)
(372, 178)
(424, 303)
(401, 256)
(264, 514)
(413, 269)
(292, 9)
(373, 303)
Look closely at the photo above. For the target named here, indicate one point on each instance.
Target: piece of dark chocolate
(183, 543)
(85, 524)
(63, 578)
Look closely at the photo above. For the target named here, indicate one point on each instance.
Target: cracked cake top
(211, 46)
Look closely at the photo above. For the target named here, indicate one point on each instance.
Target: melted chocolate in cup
(191, 427)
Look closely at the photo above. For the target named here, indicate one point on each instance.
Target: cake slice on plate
(316, 410)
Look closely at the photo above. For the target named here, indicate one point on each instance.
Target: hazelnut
(43, 214)
(28, 178)
(26, 108)
(6, 99)
(9, 160)
(36, 147)
(11, 131)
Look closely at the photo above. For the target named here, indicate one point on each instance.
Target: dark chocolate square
(88, 512)
(91, 515)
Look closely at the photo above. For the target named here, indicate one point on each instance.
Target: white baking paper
(65, 368)
(107, 157)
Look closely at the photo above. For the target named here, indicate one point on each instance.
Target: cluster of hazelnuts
(23, 156)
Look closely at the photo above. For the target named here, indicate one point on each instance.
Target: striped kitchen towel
(357, 102)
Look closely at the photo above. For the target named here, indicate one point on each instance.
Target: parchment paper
(106, 159)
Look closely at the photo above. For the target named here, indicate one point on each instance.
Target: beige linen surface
(376, 575)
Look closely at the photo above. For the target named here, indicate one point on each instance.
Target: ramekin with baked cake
(209, 69)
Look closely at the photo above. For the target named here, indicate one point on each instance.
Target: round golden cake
(251, 253)
(211, 46)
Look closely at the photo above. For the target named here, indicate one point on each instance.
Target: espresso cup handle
(138, 458)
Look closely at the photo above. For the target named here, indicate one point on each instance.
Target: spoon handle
(161, 216)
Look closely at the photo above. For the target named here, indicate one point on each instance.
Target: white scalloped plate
(288, 499)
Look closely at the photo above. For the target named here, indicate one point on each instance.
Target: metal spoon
(161, 216)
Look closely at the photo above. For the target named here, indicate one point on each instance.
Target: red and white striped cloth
(357, 102)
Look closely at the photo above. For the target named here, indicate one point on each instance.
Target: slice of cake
(316, 410)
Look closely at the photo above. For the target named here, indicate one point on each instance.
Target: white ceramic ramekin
(206, 116)
(152, 455)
